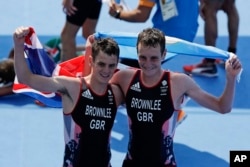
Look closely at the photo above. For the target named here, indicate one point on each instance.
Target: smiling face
(149, 59)
(151, 51)
(104, 59)
(103, 67)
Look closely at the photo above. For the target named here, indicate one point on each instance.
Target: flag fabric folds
(174, 46)
(41, 63)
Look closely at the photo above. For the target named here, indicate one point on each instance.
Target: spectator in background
(7, 74)
(54, 47)
(79, 14)
(208, 11)
(176, 18)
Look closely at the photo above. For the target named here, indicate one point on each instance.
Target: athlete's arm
(223, 103)
(66, 86)
(140, 14)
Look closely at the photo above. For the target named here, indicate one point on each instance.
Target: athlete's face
(149, 59)
(104, 67)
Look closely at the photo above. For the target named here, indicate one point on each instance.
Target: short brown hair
(7, 72)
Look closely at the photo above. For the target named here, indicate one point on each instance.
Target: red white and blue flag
(42, 64)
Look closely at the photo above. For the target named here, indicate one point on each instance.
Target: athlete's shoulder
(126, 73)
(118, 94)
(179, 75)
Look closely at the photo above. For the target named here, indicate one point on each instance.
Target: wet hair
(151, 37)
(107, 45)
(11, 54)
(7, 72)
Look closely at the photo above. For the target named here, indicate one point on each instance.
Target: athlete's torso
(95, 115)
(151, 122)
